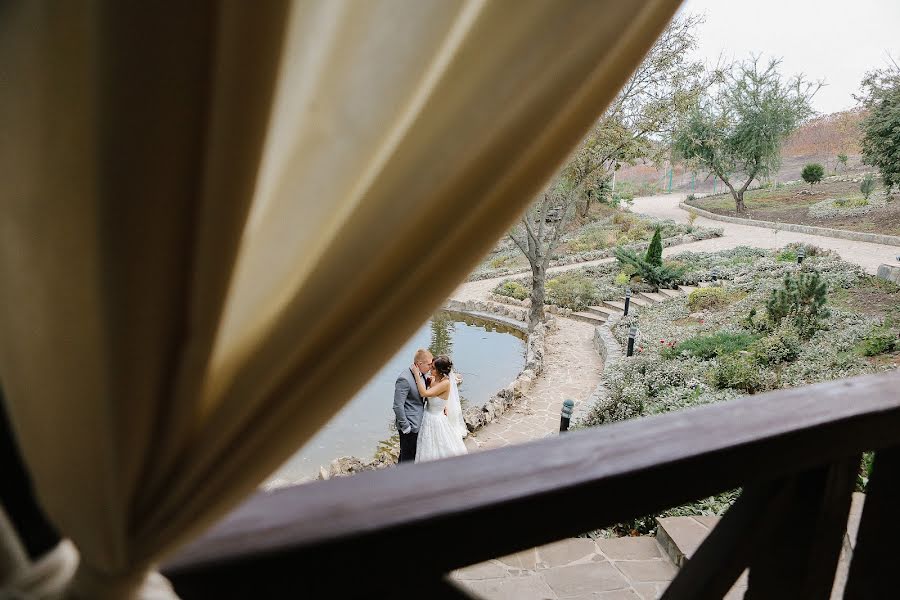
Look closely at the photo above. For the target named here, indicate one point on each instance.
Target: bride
(438, 436)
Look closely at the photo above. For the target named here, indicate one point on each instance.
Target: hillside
(819, 140)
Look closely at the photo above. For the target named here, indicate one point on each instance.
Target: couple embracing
(426, 404)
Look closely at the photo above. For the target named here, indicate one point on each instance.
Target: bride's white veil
(454, 408)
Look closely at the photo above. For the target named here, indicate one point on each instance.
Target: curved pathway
(865, 254)
(572, 369)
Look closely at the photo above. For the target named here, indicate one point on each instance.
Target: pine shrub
(867, 185)
(654, 251)
(813, 173)
(801, 300)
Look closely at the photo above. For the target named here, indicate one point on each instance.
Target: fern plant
(655, 275)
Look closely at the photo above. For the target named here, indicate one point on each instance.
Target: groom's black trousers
(408, 446)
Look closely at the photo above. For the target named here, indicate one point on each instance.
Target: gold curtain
(220, 217)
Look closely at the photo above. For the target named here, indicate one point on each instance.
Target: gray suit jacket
(408, 404)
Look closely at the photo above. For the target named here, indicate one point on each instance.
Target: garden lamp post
(801, 254)
(632, 334)
(567, 408)
(714, 273)
(627, 300)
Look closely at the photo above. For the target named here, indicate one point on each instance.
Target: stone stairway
(598, 315)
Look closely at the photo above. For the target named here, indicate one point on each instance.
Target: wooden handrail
(468, 509)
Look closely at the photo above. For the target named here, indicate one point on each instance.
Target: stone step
(679, 538)
(705, 284)
(672, 293)
(614, 305)
(687, 289)
(602, 311)
(588, 317)
(653, 296)
(638, 301)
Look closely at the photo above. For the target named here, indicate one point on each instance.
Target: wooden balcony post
(873, 571)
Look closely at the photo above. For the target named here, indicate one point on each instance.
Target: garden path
(865, 254)
(572, 369)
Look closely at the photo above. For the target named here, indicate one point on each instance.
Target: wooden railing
(399, 532)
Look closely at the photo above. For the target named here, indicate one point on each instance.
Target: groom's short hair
(422, 354)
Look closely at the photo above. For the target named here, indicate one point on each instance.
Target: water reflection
(441, 334)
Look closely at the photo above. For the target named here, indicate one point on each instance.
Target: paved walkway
(574, 569)
(572, 369)
(864, 254)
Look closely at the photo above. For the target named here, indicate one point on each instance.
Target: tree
(654, 250)
(842, 160)
(881, 126)
(644, 113)
(737, 127)
(813, 173)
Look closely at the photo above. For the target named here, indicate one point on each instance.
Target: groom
(409, 405)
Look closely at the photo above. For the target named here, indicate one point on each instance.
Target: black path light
(632, 333)
(714, 273)
(627, 300)
(567, 408)
(801, 254)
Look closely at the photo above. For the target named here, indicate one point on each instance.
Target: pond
(489, 356)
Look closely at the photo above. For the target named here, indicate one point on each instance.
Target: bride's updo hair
(443, 365)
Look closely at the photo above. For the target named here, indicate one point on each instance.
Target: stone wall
(611, 352)
(550, 308)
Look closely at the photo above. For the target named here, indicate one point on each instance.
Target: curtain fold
(219, 219)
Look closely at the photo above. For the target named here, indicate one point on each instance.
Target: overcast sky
(837, 41)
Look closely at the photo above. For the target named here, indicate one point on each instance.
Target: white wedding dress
(454, 409)
(439, 437)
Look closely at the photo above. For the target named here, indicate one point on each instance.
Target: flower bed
(846, 207)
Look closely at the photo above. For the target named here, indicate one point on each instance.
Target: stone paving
(574, 569)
